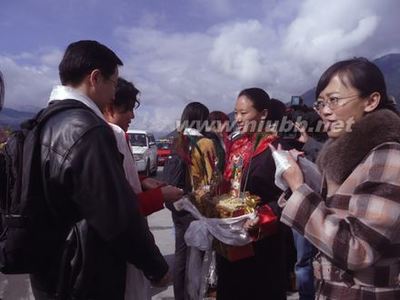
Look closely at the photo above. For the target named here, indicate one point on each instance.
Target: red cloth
(151, 201)
(244, 147)
(268, 221)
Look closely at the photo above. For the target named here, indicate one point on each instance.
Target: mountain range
(390, 67)
(389, 64)
(12, 118)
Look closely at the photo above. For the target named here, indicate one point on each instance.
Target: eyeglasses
(332, 102)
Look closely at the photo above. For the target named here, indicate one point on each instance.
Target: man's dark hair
(82, 57)
(126, 96)
(1, 91)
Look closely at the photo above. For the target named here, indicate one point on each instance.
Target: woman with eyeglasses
(354, 220)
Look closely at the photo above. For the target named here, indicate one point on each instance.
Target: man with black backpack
(82, 178)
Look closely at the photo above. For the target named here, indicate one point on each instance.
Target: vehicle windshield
(138, 139)
(164, 146)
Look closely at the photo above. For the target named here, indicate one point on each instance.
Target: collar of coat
(192, 131)
(62, 92)
(339, 157)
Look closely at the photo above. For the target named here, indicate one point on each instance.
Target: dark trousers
(181, 224)
(304, 269)
(260, 277)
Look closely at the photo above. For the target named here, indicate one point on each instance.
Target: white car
(144, 150)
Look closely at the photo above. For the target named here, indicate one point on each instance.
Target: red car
(163, 152)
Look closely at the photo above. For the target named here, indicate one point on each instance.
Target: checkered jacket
(356, 228)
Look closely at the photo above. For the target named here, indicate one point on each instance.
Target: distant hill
(390, 67)
(12, 118)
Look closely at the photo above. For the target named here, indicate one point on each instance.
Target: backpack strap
(36, 123)
(194, 142)
(52, 109)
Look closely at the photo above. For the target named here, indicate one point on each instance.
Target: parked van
(144, 150)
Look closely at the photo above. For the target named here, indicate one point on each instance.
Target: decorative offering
(237, 169)
(228, 206)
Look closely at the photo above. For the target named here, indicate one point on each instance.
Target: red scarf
(244, 147)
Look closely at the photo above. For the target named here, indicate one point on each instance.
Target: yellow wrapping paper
(228, 206)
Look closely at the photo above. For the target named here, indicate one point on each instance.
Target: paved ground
(161, 225)
(17, 287)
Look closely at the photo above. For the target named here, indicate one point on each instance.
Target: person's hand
(151, 183)
(292, 175)
(171, 193)
(303, 133)
(251, 225)
(163, 282)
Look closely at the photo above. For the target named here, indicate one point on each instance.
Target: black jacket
(261, 177)
(84, 179)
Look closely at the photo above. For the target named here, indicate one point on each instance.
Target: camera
(296, 101)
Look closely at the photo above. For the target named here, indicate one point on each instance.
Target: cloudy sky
(177, 51)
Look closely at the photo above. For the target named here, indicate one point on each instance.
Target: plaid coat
(355, 220)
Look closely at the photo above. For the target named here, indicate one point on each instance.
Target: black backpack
(176, 172)
(27, 227)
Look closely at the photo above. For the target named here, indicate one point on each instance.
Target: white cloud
(239, 50)
(286, 59)
(323, 33)
(52, 58)
(27, 85)
(284, 51)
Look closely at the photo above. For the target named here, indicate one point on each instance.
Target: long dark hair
(194, 115)
(276, 111)
(363, 75)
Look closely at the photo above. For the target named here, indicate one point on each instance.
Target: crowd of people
(342, 223)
